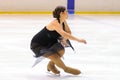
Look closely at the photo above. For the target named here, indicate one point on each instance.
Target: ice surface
(98, 60)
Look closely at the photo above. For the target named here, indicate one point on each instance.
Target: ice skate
(51, 67)
(51, 73)
(72, 71)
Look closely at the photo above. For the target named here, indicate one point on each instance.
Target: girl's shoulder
(51, 26)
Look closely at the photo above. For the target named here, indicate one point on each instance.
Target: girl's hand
(63, 41)
(82, 40)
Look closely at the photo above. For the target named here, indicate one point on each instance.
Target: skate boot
(72, 71)
(51, 67)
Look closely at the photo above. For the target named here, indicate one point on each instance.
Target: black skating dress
(46, 43)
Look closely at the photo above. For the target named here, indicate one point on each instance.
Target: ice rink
(99, 59)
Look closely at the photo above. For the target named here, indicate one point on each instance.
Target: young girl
(49, 42)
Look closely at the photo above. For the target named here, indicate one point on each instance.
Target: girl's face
(64, 14)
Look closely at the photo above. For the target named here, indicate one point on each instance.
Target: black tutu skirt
(46, 51)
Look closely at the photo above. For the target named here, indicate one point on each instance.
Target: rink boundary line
(10, 12)
(97, 12)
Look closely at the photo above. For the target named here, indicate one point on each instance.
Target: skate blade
(57, 75)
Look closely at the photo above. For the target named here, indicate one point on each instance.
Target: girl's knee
(61, 52)
(53, 57)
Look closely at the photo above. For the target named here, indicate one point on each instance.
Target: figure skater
(50, 41)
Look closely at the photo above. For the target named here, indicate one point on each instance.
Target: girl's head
(60, 12)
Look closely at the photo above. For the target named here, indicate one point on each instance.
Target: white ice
(99, 59)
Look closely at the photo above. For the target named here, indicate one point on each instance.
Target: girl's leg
(51, 64)
(51, 67)
(56, 60)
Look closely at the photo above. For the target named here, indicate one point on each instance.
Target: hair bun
(58, 10)
(54, 14)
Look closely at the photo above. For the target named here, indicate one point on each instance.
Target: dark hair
(57, 11)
